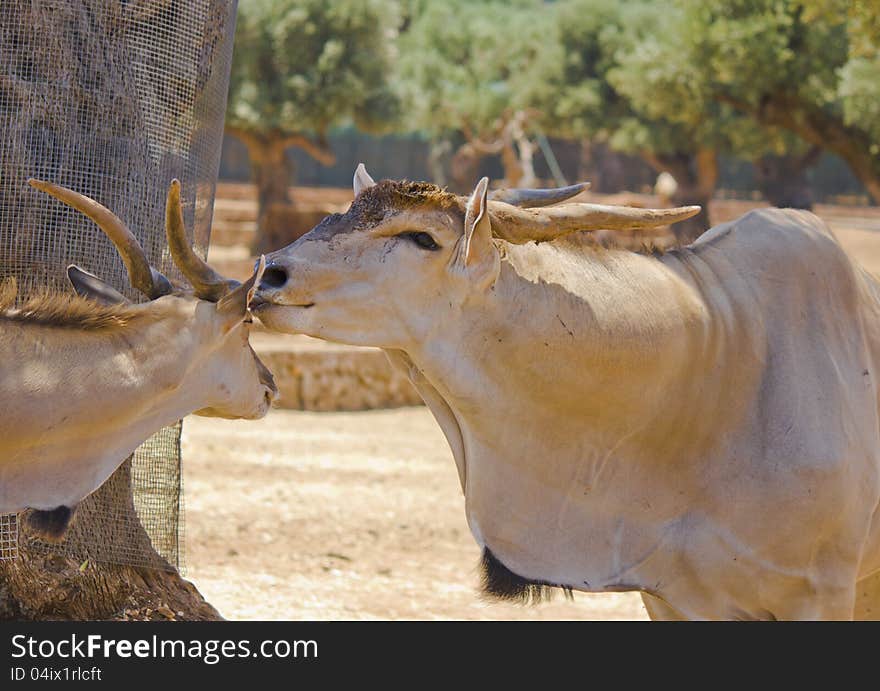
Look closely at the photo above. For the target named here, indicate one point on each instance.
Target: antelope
(700, 426)
(87, 377)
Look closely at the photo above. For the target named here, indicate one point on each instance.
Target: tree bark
(45, 584)
(783, 179)
(604, 168)
(506, 138)
(696, 175)
(587, 168)
(517, 152)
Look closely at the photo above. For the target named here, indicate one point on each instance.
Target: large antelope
(86, 378)
(700, 426)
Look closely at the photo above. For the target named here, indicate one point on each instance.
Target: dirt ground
(341, 516)
(359, 515)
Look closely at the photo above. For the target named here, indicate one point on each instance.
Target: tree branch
(486, 148)
(249, 138)
(707, 171)
(677, 165)
(318, 149)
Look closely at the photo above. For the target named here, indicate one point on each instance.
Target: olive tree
(588, 90)
(299, 68)
(811, 67)
(463, 66)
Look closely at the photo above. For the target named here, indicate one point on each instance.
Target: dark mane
(63, 310)
(501, 583)
(373, 204)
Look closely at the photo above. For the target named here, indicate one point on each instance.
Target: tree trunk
(49, 584)
(696, 175)
(691, 228)
(783, 179)
(272, 172)
(609, 171)
(587, 168)
(517, 151)
(510, 163)
(526, 149)
(439, 160)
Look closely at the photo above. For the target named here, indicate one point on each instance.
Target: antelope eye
(423, 240)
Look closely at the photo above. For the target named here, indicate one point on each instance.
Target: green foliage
(302, 66)
(860, 94)
(861, 17)
(580, 101)
(810, 56)
(655, 77)
(463, 64)
(859, 87)
(618, 79)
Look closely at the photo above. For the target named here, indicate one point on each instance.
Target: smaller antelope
(86, 378)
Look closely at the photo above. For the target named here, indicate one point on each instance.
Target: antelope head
(406, 252)
(209, 316)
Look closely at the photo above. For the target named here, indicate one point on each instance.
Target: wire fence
(111, 98)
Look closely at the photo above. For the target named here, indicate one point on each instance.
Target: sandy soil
(341, 516)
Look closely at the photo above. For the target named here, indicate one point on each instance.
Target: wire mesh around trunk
(111, 98)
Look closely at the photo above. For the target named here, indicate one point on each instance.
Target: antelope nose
(274, 277)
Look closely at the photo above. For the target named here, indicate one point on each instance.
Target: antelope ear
(477, 252)
(233, 307)
(362, 180)
(90, 286)
(477, 227)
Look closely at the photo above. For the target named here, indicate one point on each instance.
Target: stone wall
(319, 376)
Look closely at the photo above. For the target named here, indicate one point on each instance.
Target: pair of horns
(207, 284)
(516, 215)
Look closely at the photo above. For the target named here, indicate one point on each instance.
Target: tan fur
(391, 196)
(64, 310)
